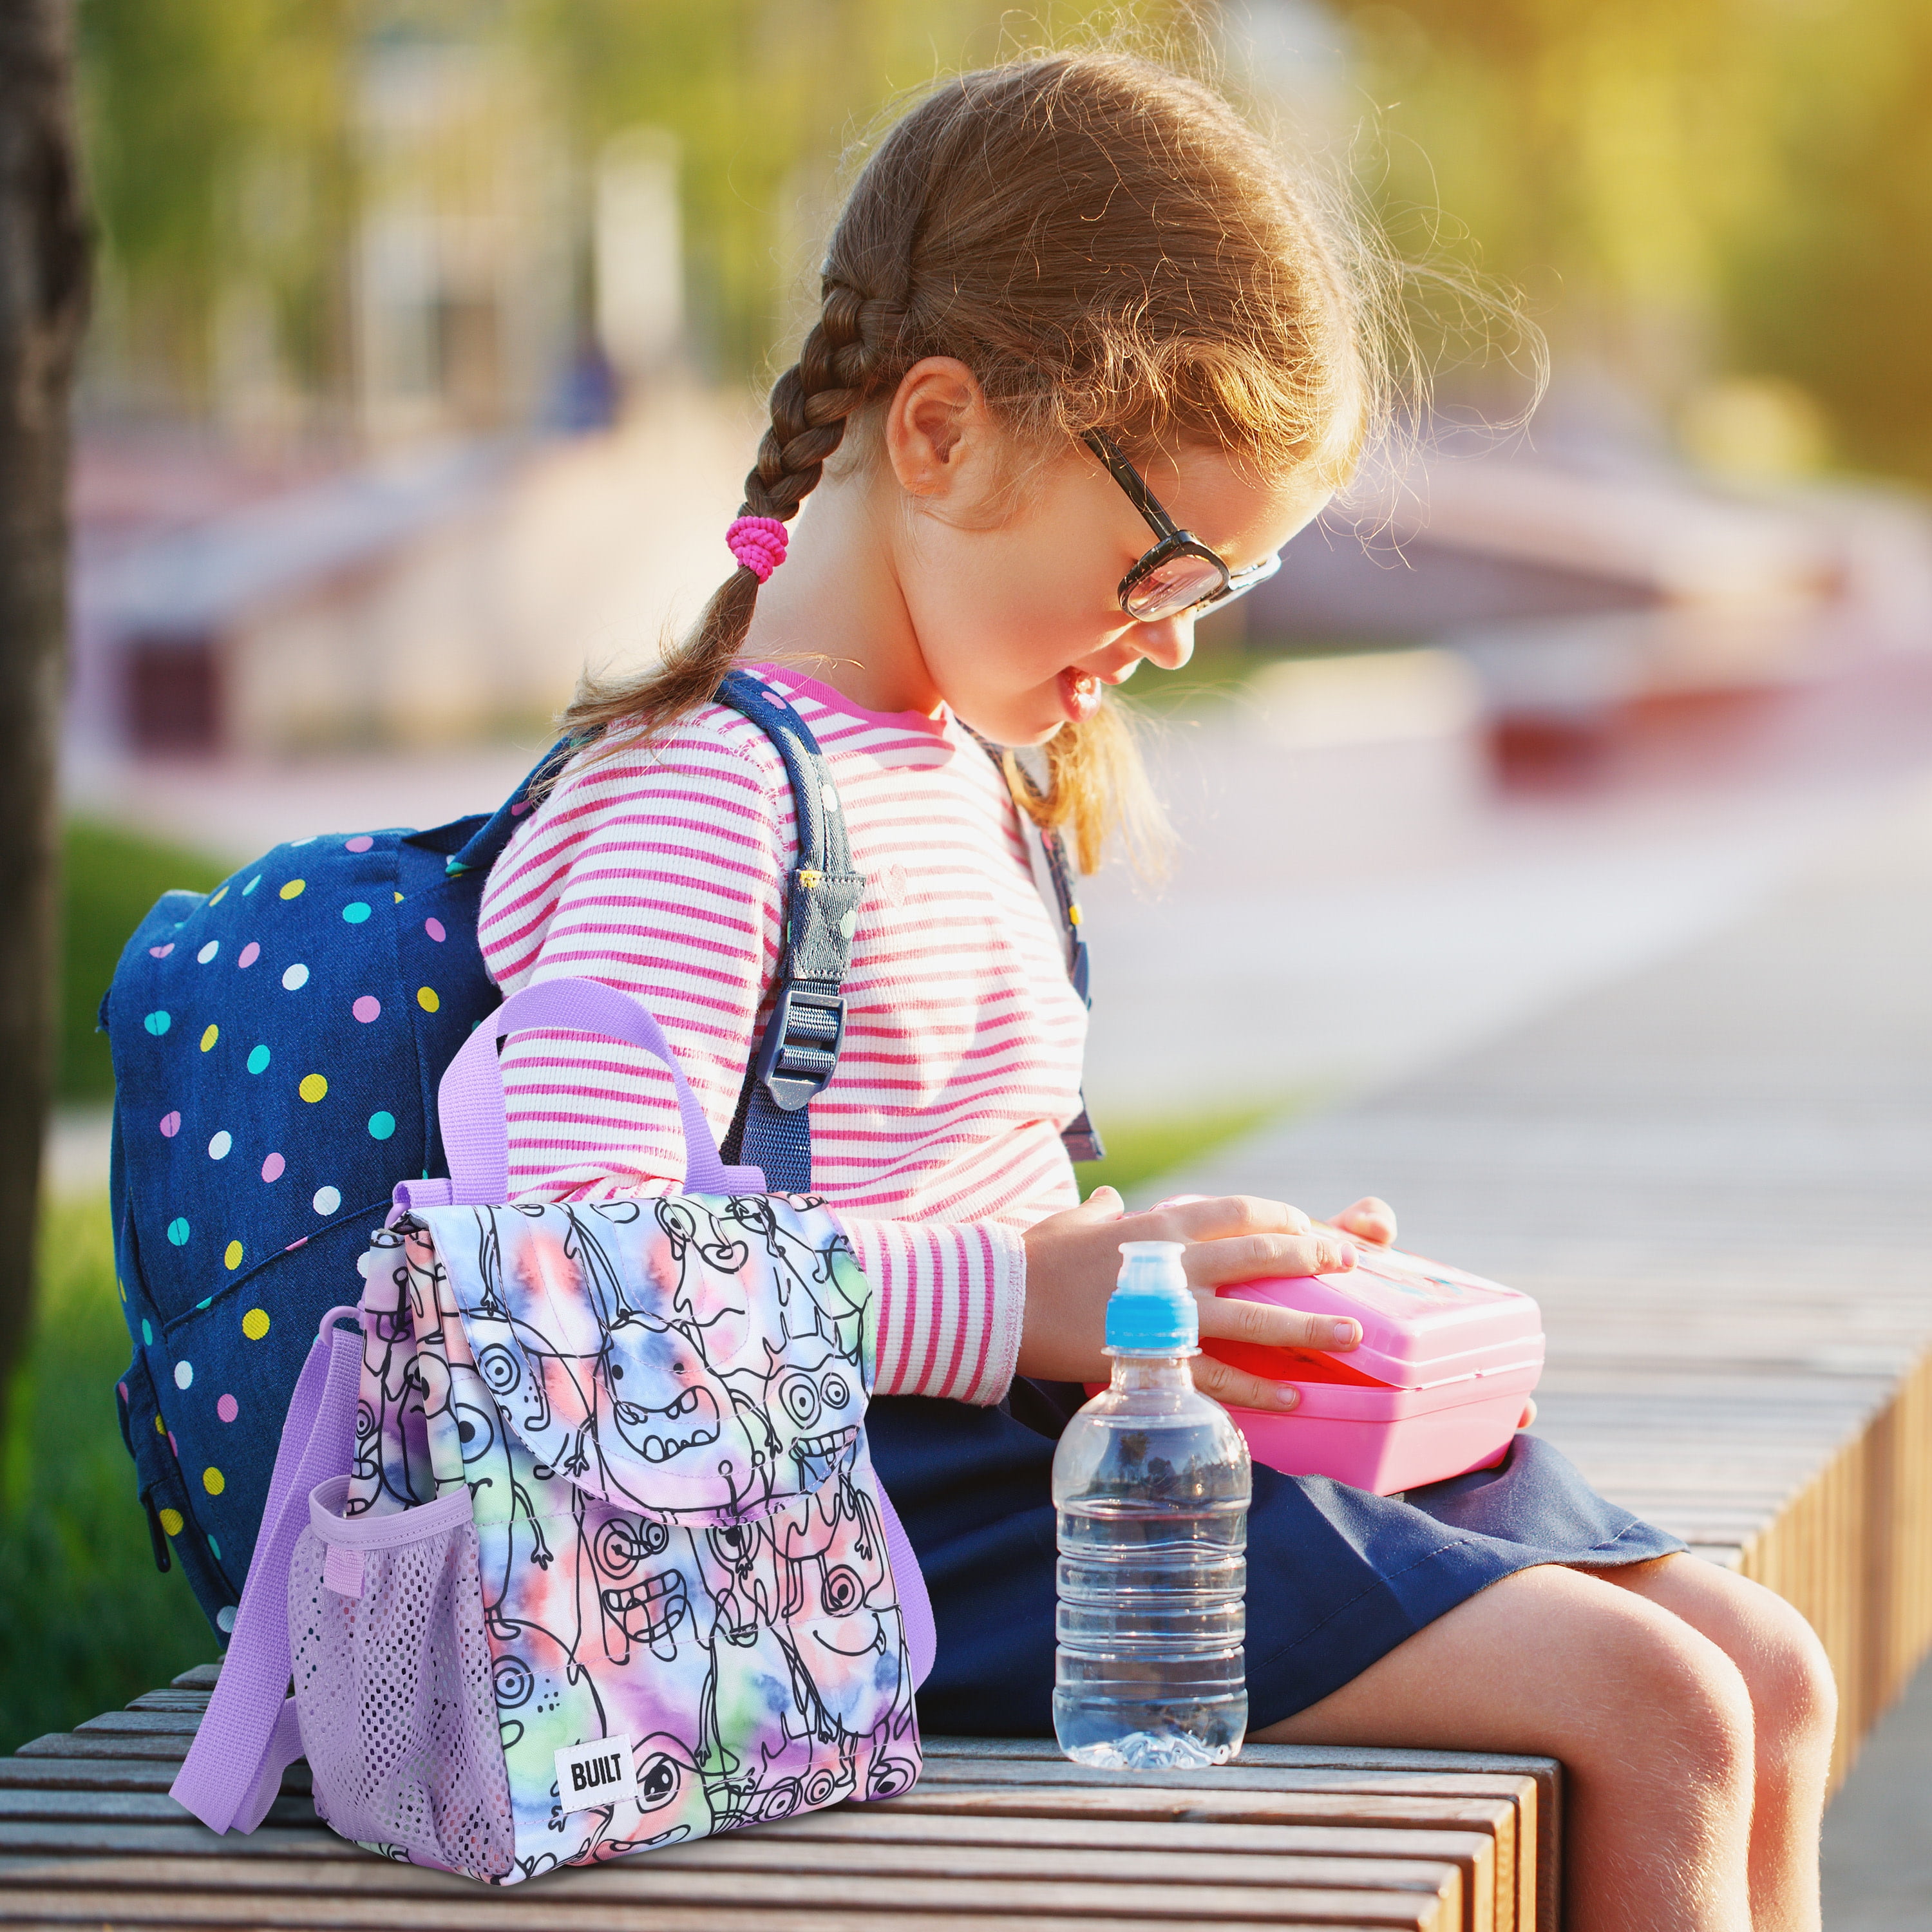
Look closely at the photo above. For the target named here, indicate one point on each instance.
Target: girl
(1065, 292)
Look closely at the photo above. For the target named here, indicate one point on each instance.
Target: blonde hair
(1106, 245)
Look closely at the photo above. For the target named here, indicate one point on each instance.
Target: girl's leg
(1651, 1720)
(1794, 1705)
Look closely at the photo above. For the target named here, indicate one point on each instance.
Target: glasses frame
(1174, 541)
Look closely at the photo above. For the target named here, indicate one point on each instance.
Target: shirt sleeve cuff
(950, 1301)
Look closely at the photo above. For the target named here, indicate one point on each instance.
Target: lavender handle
(248, 1736)
(470, 1100)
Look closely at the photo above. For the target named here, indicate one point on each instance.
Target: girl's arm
(660, 873)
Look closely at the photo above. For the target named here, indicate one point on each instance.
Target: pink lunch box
(1435, 1388)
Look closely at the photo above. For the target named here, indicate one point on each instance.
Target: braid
(810, 402)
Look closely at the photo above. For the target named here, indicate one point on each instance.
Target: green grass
(86, 1620)
(111, 877)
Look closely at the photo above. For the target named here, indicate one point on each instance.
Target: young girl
(1059, 286)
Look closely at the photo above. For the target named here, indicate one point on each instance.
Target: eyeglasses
(1180, 573)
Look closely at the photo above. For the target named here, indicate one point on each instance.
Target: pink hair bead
(758, 543)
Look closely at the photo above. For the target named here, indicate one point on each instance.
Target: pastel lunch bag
(575, 1549)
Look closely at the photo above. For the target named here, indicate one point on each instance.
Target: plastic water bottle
(1151, 1483)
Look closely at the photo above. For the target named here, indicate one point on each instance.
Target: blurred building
(1575, 592)
(465, 256)
(440, 594)
(444, 560)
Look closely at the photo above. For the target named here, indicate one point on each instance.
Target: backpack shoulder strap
(798, 1052)
(485, 846)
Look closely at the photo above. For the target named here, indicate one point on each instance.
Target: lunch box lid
(1423, 1323)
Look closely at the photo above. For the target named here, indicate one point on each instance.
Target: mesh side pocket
(392, 1682)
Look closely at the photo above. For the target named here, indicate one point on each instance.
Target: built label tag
(603, 1771)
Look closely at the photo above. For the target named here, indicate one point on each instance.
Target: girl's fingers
(1210, 1264)
(1230, 1320)
(1371, 1218)
(1235, 1388)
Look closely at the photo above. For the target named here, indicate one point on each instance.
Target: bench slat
(366, 1892)
(504, 1913)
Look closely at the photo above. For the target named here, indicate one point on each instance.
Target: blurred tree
(224, 138)
(1682, 187)
(220, 148)
(43, 285)
(1831, 285)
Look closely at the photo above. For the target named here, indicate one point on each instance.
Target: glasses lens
(1175, 586)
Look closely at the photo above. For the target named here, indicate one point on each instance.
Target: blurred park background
(428, 350)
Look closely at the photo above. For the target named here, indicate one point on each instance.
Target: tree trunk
(44, 247)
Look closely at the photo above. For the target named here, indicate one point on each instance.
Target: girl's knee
(1793, 1692)
(1700, 1703)
(1671, 1706)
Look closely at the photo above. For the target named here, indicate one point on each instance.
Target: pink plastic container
(1434, 1387)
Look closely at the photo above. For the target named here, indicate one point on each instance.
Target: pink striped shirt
(937, 1139)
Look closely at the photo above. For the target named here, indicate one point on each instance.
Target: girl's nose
(1169, 643)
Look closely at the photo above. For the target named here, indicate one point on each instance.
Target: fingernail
(1285, 1397)
(1346, 1334)
(1335, 1259)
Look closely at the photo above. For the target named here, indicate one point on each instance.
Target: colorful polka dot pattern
(274, 1045)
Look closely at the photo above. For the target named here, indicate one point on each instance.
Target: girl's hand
(1073, 1259)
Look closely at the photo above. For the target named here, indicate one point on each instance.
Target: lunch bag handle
(469, 1102)
(249, 1735)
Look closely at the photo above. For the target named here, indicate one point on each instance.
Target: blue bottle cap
(1152, 1310)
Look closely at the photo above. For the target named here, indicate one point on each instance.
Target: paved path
(1878, 1833)
(1345, 915)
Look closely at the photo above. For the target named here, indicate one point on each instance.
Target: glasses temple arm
(1130, 480)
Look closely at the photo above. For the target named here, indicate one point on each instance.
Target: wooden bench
(1424, 1841)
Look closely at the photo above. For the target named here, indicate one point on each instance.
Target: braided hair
(1105, 244)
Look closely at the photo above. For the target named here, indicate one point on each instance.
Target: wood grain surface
(1423, 1841)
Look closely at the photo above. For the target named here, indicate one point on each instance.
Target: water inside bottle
(1151, 1484)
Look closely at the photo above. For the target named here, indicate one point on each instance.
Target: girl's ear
(940, 434)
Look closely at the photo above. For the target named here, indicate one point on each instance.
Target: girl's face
(1013, 594)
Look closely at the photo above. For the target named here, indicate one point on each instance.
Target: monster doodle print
(656, 1409)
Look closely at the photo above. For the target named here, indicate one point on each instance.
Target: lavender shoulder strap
(476, 1136)
(249, 1736)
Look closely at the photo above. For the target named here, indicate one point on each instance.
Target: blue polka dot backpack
(277, 1044)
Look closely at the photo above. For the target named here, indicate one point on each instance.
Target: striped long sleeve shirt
(662, 871)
